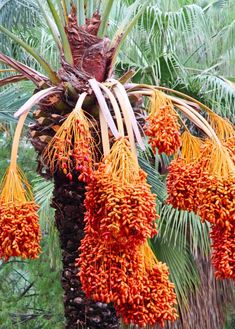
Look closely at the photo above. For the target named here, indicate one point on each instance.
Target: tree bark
(80, 312)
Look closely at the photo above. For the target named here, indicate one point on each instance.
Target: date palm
(85, 54)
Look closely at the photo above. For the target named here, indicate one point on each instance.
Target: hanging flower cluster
(120, 212)
(162, 125)
(20, 231)
(70, 150)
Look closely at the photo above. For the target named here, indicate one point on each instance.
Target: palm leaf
(154, 179)
(183, 270)
(51, 74)
(8, 104)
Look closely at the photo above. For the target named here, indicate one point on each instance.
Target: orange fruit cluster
(192, 187)
(223, 252)
(151, 303)
(120, 216)
(142, 295)
(106, 273)
(182, 185)
(230, 144)
(20, 231)
(122, 213)
(19, 222)
(163, 131)
(217, 200)
(70, 150)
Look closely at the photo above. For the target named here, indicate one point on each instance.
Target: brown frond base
(80, 312)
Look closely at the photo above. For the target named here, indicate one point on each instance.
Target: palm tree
(71, 80)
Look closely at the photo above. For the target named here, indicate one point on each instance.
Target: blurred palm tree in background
(184, 45)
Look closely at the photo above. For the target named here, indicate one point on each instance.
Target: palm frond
(176, 224)
(217, 93)
(183, 270)
(154, 179)
(43, 192)
(20, 13)
(12, 98)
(17, 15)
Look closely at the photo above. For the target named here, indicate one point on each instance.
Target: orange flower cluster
(120, 212)
(70, 150)
(163, 131)
(20, 231)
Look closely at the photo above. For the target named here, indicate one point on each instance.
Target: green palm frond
(154, 179)
(43, 192)
(175, 225)
(217, 93)
(17, 15)
(182, 267)
(12, 98)
(20, 13)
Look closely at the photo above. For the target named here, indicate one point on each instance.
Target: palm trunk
(80, 312)
(68, 198)
(92, 58)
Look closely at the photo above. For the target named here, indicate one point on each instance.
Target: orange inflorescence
(230, 144)
(162, 125)
(20, 231)
(106, 273)
(151, 303)
(207, 187)
(182, 185)
(223, 253)
(120, 212)
(70, 150)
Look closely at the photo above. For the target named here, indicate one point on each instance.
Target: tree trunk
(80, 312)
